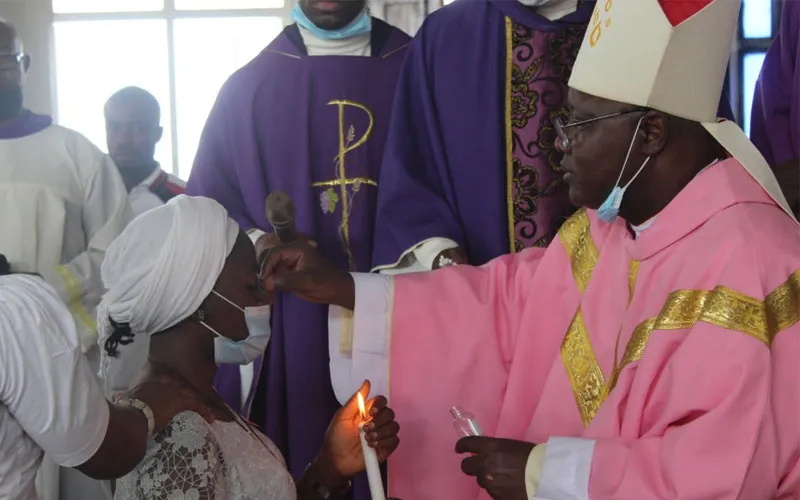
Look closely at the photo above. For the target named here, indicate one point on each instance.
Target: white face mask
(243, 352)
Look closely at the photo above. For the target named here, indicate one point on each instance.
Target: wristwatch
(140, 405)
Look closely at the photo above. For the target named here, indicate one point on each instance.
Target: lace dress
(194, 460)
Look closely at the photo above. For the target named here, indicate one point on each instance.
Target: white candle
(370, 458)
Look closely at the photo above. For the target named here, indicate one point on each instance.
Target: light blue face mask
(243, 352)
(609, 210)
(361, 25)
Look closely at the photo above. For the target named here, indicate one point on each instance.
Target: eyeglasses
(561, 125)
(10, 61)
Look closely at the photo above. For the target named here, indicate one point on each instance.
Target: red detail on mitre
(678, 11)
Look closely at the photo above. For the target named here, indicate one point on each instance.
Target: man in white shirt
(50, 402)
(133, 130)
(62, 201)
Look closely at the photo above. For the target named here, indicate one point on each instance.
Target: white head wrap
(163, 266)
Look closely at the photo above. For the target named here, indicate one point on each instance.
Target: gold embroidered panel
(577, 354)
(577, 240)
(585, 376)
(725, 308)
(348, 187)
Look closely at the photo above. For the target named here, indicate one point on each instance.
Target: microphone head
(280, 209)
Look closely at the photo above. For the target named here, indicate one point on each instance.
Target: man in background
(775, 126)
(63, 202)
(309, 117)
(471, 170)
(133, 129)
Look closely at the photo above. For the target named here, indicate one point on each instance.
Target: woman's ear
(655, 128)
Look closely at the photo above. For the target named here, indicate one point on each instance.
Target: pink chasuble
(673, 356)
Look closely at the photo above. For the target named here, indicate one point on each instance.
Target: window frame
(741, 48)
(169, 14)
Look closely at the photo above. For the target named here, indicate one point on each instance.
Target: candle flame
(361, 407)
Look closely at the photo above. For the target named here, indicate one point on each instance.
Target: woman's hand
(342, 447)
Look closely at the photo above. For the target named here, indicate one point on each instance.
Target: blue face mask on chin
(361, 25)
(609, 210)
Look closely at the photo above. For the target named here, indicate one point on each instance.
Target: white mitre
(633, 54)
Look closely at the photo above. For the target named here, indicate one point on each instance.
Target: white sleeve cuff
(369, 357)
(255, 234)
(533, 469)
(428, 250)
(420, 257)
(566, 469)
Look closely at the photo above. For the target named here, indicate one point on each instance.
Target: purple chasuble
(471, 154)
(315, 128)
(27, 123)
(775, 123)
(471, 151)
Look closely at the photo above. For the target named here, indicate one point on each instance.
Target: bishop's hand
(301, 269)
(498, 464)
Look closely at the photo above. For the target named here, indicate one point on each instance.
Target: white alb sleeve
(566, 469)
(368, 325)
(45, 380)
(418, 258)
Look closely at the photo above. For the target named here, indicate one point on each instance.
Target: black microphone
(280, 215)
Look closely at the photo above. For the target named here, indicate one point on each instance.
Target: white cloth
(222, 461)
(142, 199)
(49, 399)
(418, 258)
(369, 358)
(63, 202)
(162, 267)
(554, 9)
(360, 45)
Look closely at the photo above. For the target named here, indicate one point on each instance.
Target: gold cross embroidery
(347, 144)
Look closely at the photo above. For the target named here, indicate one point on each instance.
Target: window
(759, 24)
(181, 51)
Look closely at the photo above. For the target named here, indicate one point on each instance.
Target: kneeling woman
(183, 278)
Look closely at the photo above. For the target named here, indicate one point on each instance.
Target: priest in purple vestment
(775, 123)
(471, 170)
(308, 116)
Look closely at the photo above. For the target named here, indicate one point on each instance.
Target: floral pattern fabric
(541, 66)
(194, 460)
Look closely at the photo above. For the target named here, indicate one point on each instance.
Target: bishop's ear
(655, 128)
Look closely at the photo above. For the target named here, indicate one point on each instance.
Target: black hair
(140, 97)
(121, 335)
(5, 267)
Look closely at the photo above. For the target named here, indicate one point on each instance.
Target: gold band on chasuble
(725, 308)
(585, 376)
(722, 307)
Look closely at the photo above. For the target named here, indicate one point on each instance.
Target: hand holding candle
(359, 436)
(370, 457)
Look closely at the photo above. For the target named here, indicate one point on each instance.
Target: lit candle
(370, 457)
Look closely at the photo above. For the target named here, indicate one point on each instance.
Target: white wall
(33, 21)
